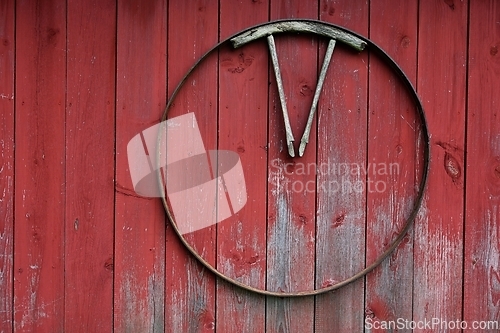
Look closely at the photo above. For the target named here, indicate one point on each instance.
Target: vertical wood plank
(482, 246)
(139, 222)
(342, 126)
(7, 47)
(438, 242)
(243, 99)
(392, 141)
(90, 134)
(192, 30)
(40, 166)
(291, 208)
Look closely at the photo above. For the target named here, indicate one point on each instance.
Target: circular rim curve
(409, 221)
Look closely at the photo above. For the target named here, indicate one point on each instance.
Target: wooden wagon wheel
(333, 33)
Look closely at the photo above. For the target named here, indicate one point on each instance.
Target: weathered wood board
(40, 166)
(7, 165)
(139, 226)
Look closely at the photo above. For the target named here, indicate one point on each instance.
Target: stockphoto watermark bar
(430, 324)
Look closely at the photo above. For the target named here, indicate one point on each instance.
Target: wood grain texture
(77, 256)
(482, 245)
(90, 164)
(243, 120)
(40, 166)
(438, 242)
(392, 195)
(139, 264)
(291, 208)
(342, 126)
(193, 30)
(7, 48)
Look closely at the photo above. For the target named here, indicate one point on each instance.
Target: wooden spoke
(279, 82)
(314, 105)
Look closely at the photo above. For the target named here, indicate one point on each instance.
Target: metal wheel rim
(408, 222)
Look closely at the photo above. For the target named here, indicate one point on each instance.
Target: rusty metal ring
(426, 154)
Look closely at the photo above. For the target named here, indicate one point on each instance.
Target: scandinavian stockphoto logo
(331, 177)
(206, 187)
(203, 187)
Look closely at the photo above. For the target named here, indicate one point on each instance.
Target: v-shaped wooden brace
(289, 135)
(298, 26)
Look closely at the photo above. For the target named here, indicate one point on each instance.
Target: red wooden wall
(81, 252)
